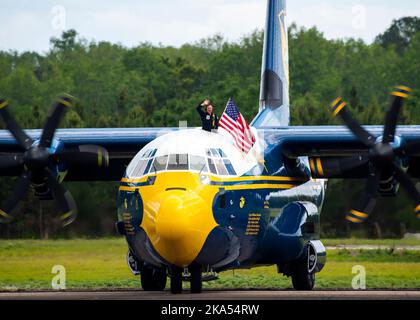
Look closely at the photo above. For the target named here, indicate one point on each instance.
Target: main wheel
(176, 280)
(152, 279)
(196, 279)
(302, 279)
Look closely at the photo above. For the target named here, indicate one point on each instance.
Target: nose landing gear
(176, 280)
(195, 278)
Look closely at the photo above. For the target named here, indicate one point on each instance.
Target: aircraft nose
(177, 214)
(178, 223)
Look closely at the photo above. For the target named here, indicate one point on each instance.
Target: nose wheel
(196, 279)
(176, 280)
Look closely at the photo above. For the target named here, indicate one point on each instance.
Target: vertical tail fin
(274, 92)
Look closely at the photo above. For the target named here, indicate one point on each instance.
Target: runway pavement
(213, 295)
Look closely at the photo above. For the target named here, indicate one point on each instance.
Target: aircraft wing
(329, 147)
(122, 145)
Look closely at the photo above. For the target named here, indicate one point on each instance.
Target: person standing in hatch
(209, 120)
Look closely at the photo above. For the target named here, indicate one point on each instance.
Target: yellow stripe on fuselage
(257, 178)
(226, 179)
(260, 186)
(254, 186)
(136, 180)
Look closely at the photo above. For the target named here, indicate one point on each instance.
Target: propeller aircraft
(190, 204)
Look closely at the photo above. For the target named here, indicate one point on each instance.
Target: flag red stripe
(238, 129)
(233, 131)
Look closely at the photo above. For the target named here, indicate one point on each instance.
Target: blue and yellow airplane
(190, 204)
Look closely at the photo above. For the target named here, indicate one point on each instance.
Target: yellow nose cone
(173, 220)
(178, 223)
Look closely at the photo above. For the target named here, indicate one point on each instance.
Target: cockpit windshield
(215, 161)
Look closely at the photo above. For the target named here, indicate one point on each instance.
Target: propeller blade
(413, 189)
(21, 137)
(409, 149)
(331, 167)
(63, 198)
(368, 203)
(86, 155)
(54, 117)
(391, 118)
(18, 193)
(10, 161)
(338, 108)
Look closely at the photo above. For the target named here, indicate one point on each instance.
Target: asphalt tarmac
(214, 295)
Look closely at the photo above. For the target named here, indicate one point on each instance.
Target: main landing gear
(303, 271)
(302, 279)
(152, 279)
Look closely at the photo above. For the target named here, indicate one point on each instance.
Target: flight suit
(209, 121)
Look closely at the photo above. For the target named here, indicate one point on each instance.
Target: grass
(100, 264)
(376, 242)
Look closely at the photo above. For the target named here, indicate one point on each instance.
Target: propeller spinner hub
(382, 153)
(37, 158)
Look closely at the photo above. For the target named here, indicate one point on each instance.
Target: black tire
(302, 279)
(176, 280)
(196, 279)
(152, 279)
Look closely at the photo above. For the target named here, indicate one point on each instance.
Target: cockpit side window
(229, 167)
(219, 163)
(212, 167)
(215, 153)
(141, 164)
(222, 154)
(221, 167)
(159, 164)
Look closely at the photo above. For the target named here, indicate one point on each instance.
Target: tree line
(158, 86)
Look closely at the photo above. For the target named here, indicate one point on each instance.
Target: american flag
(234, 123)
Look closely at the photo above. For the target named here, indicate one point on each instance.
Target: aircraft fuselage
(191, 198)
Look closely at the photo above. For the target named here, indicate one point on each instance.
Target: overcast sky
(28, 24)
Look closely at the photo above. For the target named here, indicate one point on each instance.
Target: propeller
(38, 160)
(384, 158)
